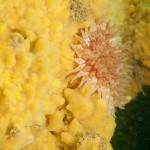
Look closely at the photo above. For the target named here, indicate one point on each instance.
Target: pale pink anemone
(102, 63)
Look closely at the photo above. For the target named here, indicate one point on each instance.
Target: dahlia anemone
(102, 62)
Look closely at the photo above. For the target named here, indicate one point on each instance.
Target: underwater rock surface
(133, 124)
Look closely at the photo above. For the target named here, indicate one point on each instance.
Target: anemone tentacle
(102, 63)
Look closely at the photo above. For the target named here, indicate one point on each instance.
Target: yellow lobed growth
(37, 109)
(91, 113)
(136, 35)
(31, 80)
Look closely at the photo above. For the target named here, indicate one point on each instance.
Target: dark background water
(133, 124)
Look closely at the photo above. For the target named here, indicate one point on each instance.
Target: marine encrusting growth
(102, 63)
(37, 108)
(97, 140)
(78, 12)
(137, 24)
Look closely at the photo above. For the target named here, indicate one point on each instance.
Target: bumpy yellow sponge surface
(37, 110)
(136, 35)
